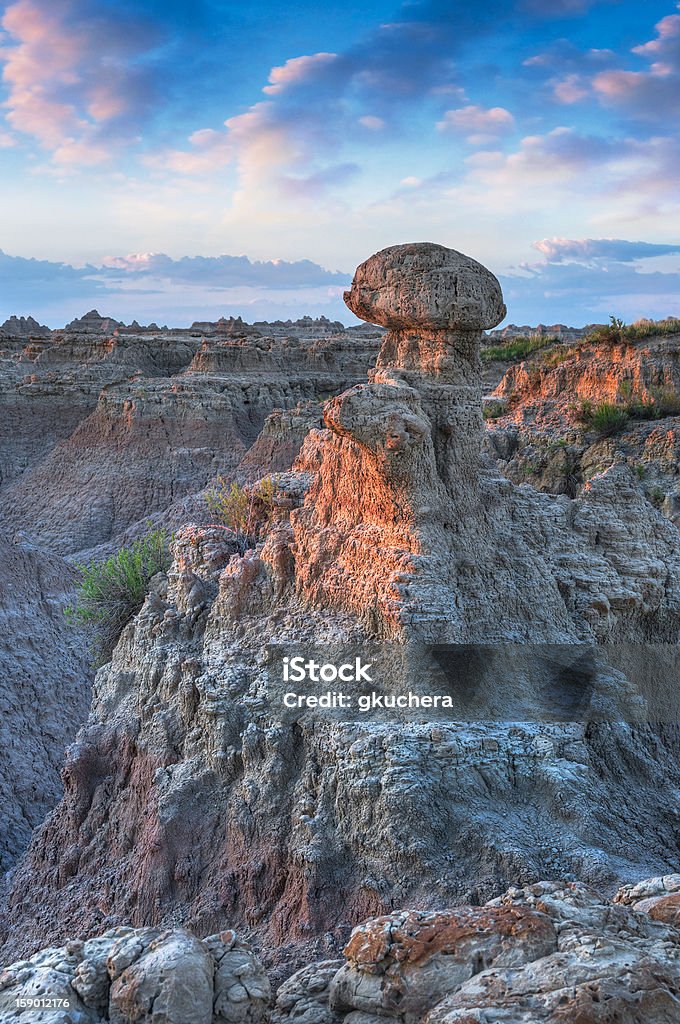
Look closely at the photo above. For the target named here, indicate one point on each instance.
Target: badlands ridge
(192, 806)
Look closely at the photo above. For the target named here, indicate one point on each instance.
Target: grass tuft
(111, 593)
(516, 350)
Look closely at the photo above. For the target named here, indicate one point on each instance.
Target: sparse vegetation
(663, 402)
(616, 332)
(516, 349)
(609, 334)
(549, 360)
(605, 418)
(246, 511)
(492, 410)
(110, 593)
(652, 328)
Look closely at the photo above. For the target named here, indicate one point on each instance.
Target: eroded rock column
(435, 303)
(398, 469)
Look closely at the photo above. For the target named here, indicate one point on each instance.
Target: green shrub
(616, 332)
(605, 419)
(110, 593)
(515, 350)
(549, 360)
(610, 334)
(492, 410)
(664, 401)
(246, 512)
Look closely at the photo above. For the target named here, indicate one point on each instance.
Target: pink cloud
(668, 30)
(296, 70)
(570, 89)
(479, 124)
(374, 124)
(209, 151)
(654, 93)
(65, 77)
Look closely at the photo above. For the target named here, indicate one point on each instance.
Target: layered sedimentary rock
(544, 392)
(104, 425)
(541, 432)
(193, 793)
(45, 689)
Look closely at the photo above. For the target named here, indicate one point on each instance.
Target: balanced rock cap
(427, 286)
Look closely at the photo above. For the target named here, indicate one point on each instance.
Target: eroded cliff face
(103, 425)
(102, 429)
(192, 794)
(45, 692)
(539, 433)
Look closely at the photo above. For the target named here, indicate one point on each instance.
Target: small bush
(549, 360)
(110, 593)
(246, 512)
(515, 350)
(492, 410)
(605, 419)
(664, 401)
(610, 334)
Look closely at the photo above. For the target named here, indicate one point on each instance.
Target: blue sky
(144, 146)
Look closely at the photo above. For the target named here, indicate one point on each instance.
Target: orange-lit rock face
(389, 944)
(546, 394)
(406, 446)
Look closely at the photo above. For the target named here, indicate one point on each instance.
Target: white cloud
(480, 125)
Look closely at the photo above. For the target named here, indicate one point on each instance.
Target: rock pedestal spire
(407, 523)
(402, 462)
(435, 303)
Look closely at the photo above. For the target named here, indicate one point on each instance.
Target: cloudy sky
(175, 160)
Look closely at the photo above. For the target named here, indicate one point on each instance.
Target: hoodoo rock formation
(193, 795)
(406, 520)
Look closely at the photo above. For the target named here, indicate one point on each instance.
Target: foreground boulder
(549, 953)
(139, 976)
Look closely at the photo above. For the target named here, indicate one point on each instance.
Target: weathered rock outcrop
(541, 432)
(139, 976)
(45, 691)
(404, 518)
(549, 952)
(193, 793)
